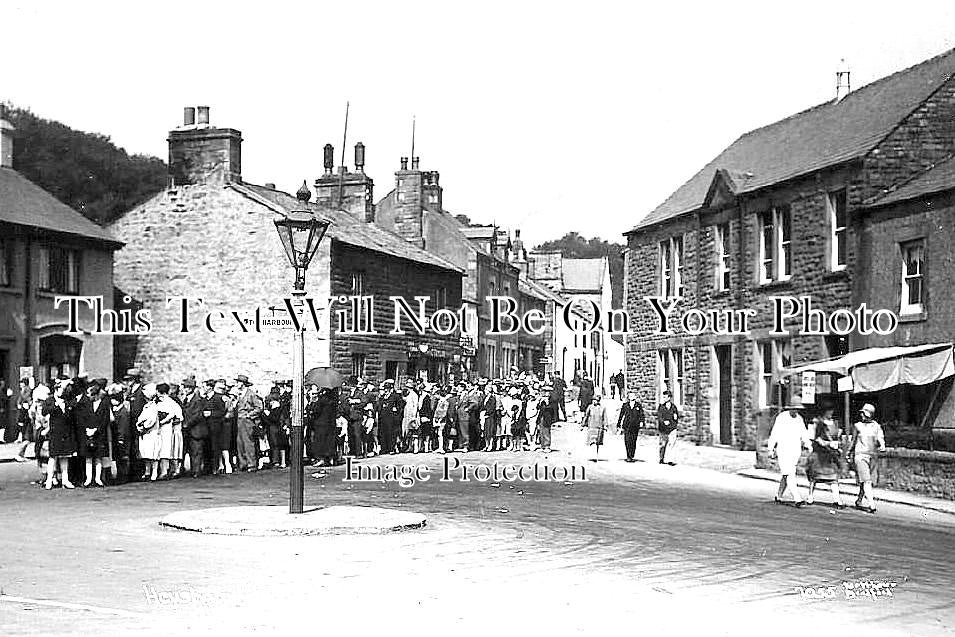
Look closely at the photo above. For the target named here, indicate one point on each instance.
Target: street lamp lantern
(301, 233)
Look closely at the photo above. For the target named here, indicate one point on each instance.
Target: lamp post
(301, 233)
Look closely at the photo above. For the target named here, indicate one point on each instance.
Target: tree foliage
(574, 246)
(85, 171)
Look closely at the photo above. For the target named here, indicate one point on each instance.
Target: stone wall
(930, 473)
(389, 277)
(210, 242)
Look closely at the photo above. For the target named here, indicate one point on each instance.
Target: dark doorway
(59, 356)
(724, 359)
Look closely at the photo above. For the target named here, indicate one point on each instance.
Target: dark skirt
(824, 464)
(225, 439)
(62, 442)
(93, 446)
(324, 441)
(278, 440)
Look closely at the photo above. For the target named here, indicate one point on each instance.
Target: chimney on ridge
(843, 86)
(202, 154)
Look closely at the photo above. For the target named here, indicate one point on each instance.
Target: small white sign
(808, 388)
(844, 383)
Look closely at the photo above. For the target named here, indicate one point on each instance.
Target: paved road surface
(643, 546)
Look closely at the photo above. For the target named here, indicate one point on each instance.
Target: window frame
(905, 307)
(774, 252)
(721, 249)
(838, 235)
(671, 267)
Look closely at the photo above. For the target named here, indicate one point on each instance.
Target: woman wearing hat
(825, 463)
(61, 437)
(868, 442)
(786, 442)
(92, 415)
(148, 428)
(595, 419)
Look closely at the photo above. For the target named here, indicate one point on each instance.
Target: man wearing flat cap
(137, 401)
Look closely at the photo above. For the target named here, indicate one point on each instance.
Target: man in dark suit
(668, 416)
(631, 419)
(194, 427)
(559, 389)
(137, 401)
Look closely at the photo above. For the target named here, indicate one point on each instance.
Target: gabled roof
(584, 275)
(825, 135)
(345, 228)
(23, 203)
(937, 179)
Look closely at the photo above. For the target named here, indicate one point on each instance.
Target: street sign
(844, 383)
(808, 388)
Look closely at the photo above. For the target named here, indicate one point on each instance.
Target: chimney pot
(203, 115)
(404, 163)
(329, 158)
(360, 157)
(414, 163)
(189, 116)
(270, 185)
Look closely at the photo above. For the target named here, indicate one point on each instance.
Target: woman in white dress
(786, 442)
(148, 428)
(170, 433)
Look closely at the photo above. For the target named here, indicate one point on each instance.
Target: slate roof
(939, 178)
(583, 275)
(347, 229)
(825, 135)
(23, 203)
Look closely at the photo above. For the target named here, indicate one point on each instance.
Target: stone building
(787, 210)
(586, 280)
(211, 236)
(414, 210)
(47, 249)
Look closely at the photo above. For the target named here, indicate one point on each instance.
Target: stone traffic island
(264, 521)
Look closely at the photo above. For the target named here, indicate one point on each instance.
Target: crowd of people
(94, 432)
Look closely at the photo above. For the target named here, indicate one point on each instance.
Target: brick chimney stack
(409, 203)
(843, 86)
(202, 154)
(6, 139)
(351, 192)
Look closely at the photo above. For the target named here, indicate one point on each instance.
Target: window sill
(11, 290)
(913, 317)
(779, 284)
(836, 275)
(720, 293)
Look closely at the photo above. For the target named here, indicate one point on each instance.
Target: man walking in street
(585, 394)
(667, 418)
(631, 419)
(559, 388)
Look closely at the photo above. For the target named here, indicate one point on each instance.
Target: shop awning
(879, 368)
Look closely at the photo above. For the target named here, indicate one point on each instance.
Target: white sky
(549, 116)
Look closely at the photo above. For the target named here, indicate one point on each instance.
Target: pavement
(682, 549)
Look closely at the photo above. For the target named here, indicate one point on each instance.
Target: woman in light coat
(786, 441)
(148, 428)
(595, 419)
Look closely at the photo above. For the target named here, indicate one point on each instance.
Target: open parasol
(323, 377)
